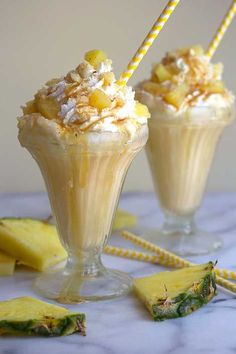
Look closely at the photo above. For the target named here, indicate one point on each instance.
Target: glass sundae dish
(190, 107)
(84, 130)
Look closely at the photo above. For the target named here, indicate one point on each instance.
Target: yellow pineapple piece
(32, 242)
(162, 73)
(151, 87)
(108, 78)
(218, 69)
(215, 87)
(197, 49)
(176, 96)
(99, 99)
(123, 220)
(30, 107)
(95, 57)
(141, 110)
(48, 106)
(7, 264)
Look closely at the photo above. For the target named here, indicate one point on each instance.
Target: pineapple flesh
(99, 99)
(32, 242)
(29, 316)
(95, 57)
(123, 220)
(177, 293)
(7, 264)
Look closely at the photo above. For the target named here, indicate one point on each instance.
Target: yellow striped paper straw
(146, 257)
(221, 30)
(172, 258)
(142, 50)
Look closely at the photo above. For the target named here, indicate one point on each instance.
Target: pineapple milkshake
(190, 107)
(84, 131)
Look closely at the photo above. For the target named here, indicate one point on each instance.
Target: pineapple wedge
(29, 316)
(32, 242)
(177, 293)
(7, 264)
(95, 57)
(99, 99)
(123, 220)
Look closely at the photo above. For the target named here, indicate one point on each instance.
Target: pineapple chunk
(30, 107)
(99, 99)
(32, 242)
(177, 96)
(162, 73)
(197, 49)
(95, 57)
(7, 264)
(177, 293)
(29, 316)
(123, 220)
(215, 87)
(48, 106)
(108, 78)
(218, 70)
(151, 87)
(141, 110)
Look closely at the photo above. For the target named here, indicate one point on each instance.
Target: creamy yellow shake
(190, 107)
(84, 131)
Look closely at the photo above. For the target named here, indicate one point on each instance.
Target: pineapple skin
(186, 303)
(74, 323)
(31, 316)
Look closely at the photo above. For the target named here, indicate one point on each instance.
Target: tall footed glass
(180, 153)
(84, 175)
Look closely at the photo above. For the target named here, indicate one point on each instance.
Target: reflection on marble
(123, 325)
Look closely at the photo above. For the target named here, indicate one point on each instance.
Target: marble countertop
(123, 325)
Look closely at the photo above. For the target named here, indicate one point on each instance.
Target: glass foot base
(197, 243)
(70, 287)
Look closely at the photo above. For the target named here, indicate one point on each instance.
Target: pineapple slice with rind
(30, 107)
(99, 99)
(7, 264)
(123, 220)
(29, 316)
(162, 73)
(95, 57)
(177, 293)
(141, 110)
(48, 106)
(177, 95)
(32, 242)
